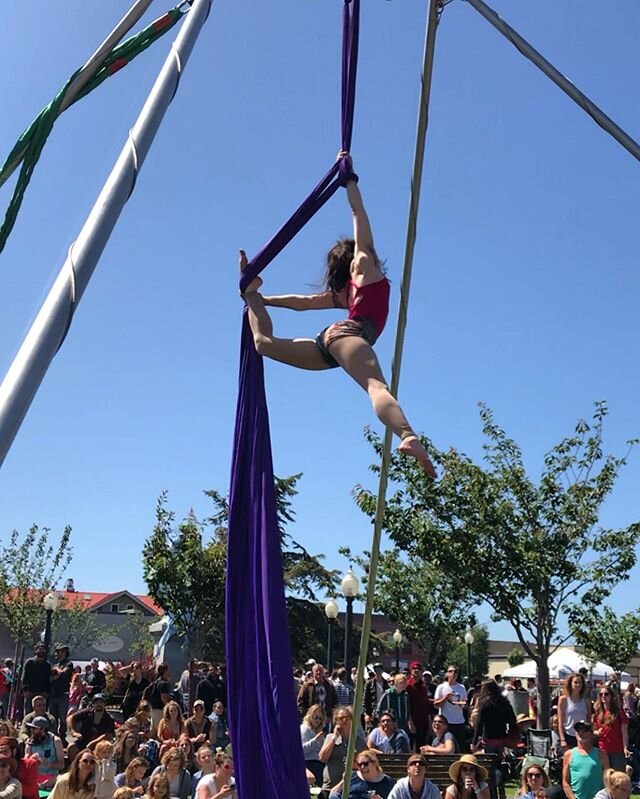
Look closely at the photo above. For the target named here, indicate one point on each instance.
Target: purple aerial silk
(263, 718)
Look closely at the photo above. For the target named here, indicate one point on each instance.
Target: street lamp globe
(350, 584)
(468, 638)
(50, 601)
(397, 638)
(331, 609)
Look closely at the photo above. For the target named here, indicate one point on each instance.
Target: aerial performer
(354, 280)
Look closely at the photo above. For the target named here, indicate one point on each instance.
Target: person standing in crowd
(450, 699)
(36, 676)
(583, 766)
(396, 698)
(612, 728)
(77, 783)
(374, 690)
(495, 720)
(344, 690)
(421, 705)
(573, 705)
(317, 691)
(48, 748)
(427, 677)
(415, 785)
(61, 674)
(211, 689)
(135, 686)
(96, 679)
(386, 738)
(312, 737)
(77, 689)
(158, 694)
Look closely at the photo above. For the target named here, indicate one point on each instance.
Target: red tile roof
(94, 599)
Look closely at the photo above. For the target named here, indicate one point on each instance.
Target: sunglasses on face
(419, 763)
(364, 763)
(452, 671)
(605, 693)
(534, 774)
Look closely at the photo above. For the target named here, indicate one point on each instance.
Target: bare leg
(357, 358)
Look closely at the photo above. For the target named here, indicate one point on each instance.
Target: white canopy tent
(562, 663)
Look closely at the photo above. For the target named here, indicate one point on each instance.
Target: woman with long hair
(7, 730)
(133, 775)
(469, 780)
(126, 746)
(27, 768)
(334, 749)
(220, 782)
(173, 764)
(356, 282)
(573, 705)
(444, 742)
(171, 725)
(186, 747)
(496, 724)
(617, 785)
(533, 780)
(143, 718)
(78, 782)
(10, 787)
(612, 728)
(312, 736)
(77, 689)
(158, 787)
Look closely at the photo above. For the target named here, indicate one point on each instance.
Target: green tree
(533, 551)
(29, 568)
(185, 573)
(429, 609)
(72, 624)
(604, 636)
(515, 657)
(457, 652)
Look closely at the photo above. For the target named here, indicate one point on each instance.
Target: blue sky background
(525, 288)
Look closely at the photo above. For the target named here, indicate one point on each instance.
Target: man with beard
(48, 747)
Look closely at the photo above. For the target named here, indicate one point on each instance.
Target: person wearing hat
(469, 779)
(61, 674)
(10, 787)
(374, 690)
(421, 704)
(415, 785)
(91, 724)
(198, 727)
(583, 766)
(48, 747)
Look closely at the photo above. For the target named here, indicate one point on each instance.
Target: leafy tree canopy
(532, 551)
(606, 637)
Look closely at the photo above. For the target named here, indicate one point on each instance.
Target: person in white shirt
(450, 699)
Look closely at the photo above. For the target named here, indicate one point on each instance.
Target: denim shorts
(360, 326)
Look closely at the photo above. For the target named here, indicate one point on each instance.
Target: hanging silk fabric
(263, 717)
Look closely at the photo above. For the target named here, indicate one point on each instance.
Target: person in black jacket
(495, 722)
(211, 690)
(36, 676)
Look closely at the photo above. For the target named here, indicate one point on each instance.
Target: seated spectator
(173, 767)
(126, 748)
(150, 750)
(133, 775)
(77, 783)
(469, 779)
(105, 773)
(171, 725)
(124, 793)
(368, 778)
(617, 785)
(7, 730)
(386, 738)
(10, 787)
(158, 787)
(91, 724)
(533, 781)
(415, 785)
(143, 718)
(218, 719)
(334, 748)
(312, 735)
(198, 727)
(39, 705)
(26, 771)
(444, 742)
(48, 747)
(186, 747)
(220, 782)
(77, 690)
(204, 762)
(396, 698)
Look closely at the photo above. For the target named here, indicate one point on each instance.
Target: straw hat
(481, 771)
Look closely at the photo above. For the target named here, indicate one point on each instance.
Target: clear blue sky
(525, 286)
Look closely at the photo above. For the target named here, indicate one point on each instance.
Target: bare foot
(256, 282)
(411, 445)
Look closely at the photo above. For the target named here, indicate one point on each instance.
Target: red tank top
(370, 301)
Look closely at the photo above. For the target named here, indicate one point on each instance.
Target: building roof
(92, 600)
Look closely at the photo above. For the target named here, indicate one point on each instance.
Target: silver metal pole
(89, 70)
(54, 318)
(598, 116)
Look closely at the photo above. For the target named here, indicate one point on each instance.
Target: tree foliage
(185, 570)
(72, 624)
(606, 637)
(532, 550)
(29, 568)
(430, 610)
(457, 652)
(515, 657)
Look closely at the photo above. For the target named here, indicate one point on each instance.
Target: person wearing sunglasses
(369, 781)
(450, 700)
(533, 782)
(78, 782)
(583, 766)
(611, 725)
(415, 785)
(10, 787)
(469, 779)
(312, 736)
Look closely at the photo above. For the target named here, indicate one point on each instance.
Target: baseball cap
(39, 721)
(99, 697)
(582, 725)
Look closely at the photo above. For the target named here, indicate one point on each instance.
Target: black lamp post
(331, 611)
(349, 587)
(468, 639)
(397, 640)
(50, 603)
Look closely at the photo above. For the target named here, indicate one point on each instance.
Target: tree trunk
(544, 691)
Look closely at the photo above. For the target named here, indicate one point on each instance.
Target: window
(115, 608)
